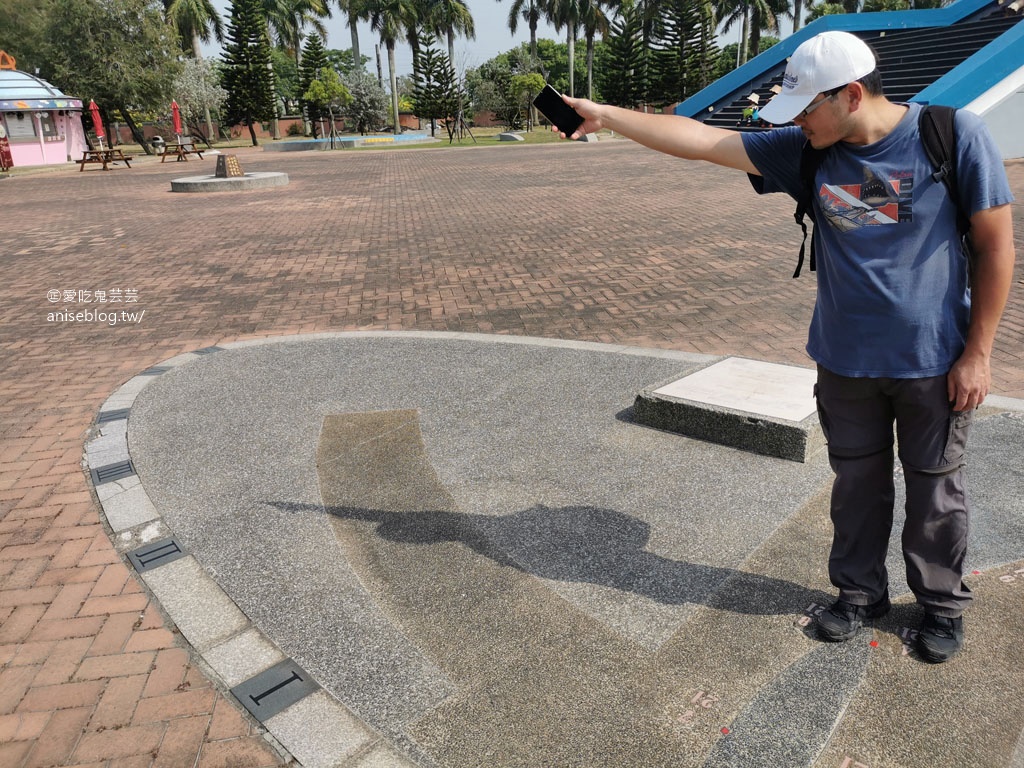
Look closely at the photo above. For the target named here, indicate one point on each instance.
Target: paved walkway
(626, 247)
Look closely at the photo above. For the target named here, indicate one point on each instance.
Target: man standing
(899, 334)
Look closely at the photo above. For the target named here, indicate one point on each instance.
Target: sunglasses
(827, 94)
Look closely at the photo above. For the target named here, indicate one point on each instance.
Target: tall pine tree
(684, 50)
(248, 77)
(435, 90)
(314, 59)
(623, 81)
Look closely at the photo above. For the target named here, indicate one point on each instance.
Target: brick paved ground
(606, 242)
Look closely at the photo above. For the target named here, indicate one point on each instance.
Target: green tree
(594, 22)
(369, 106)
(286, 79)
(531, 12)
(764, 17)
(195, 21)
(754, 17)
(567, 14)
(198, 92)
(523, 89)
(355, 11)
(505, 85)
(23, 33)
(684, 52)
(390, 18)
(449, 17)
(817, 10)
(343, 61)
(726, 62)
(314, 60)
(433, 81)
(327, 95)
(248, 76)
(118, 52)
(490, 89)
(286, 20)
(623, 80)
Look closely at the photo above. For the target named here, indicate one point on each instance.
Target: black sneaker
(940, 638)
(843, 620)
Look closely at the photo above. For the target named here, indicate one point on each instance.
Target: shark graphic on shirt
(876, 200)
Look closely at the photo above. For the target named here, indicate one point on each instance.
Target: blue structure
(968, 55)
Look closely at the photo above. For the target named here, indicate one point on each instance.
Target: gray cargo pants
(857, 418)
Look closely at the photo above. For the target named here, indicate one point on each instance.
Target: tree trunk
(590, 66)
(198, 55)
(451, 46)
(394, 85)
(252, 133)
(136, 131)
(533, 48)
(352, 25)
(798, 9)
(741, 52)
(275, 126)
(754, 46)
(543, 71)
(570, 39)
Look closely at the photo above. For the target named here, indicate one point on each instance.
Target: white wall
(1002, 108)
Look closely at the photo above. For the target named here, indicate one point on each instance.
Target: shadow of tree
(587, 545)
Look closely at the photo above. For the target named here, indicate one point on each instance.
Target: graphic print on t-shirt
(876, 200)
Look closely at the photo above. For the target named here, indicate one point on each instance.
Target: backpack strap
(810, 161)
(938, 134)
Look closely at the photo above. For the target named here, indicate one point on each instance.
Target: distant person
(897, 333)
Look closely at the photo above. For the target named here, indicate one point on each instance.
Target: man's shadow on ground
(588, 545)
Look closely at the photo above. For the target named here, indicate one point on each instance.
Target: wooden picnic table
(181, 151)
(105, 157)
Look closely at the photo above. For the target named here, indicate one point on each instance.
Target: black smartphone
(567, 119)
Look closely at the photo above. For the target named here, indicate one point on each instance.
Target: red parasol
(176, 119)
(97, 122)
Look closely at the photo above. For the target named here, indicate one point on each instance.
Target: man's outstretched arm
(671, 134)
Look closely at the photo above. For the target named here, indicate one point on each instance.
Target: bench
(181, 152)
(104, 157)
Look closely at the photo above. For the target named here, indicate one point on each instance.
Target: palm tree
(287, 19)
(594, 21)
(354, 11)
(757, 16)
(196, 21)
(418, 23)
(567, 13)
(530, 11)
(730, 12)
(764, 17)
(449, 17)
(390, 18)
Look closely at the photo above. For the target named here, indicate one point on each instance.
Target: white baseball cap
(826, 61)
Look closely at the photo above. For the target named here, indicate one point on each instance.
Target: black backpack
(936, 124)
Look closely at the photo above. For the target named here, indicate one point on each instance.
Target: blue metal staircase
(949, 56)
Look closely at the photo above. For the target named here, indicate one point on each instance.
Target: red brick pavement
(606, 242)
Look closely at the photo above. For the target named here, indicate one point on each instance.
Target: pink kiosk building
(38, 123)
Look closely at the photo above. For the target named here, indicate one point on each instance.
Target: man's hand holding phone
(567, 120)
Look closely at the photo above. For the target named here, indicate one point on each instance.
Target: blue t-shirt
(893, 299)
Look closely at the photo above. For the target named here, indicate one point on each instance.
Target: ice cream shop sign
(39, 124)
